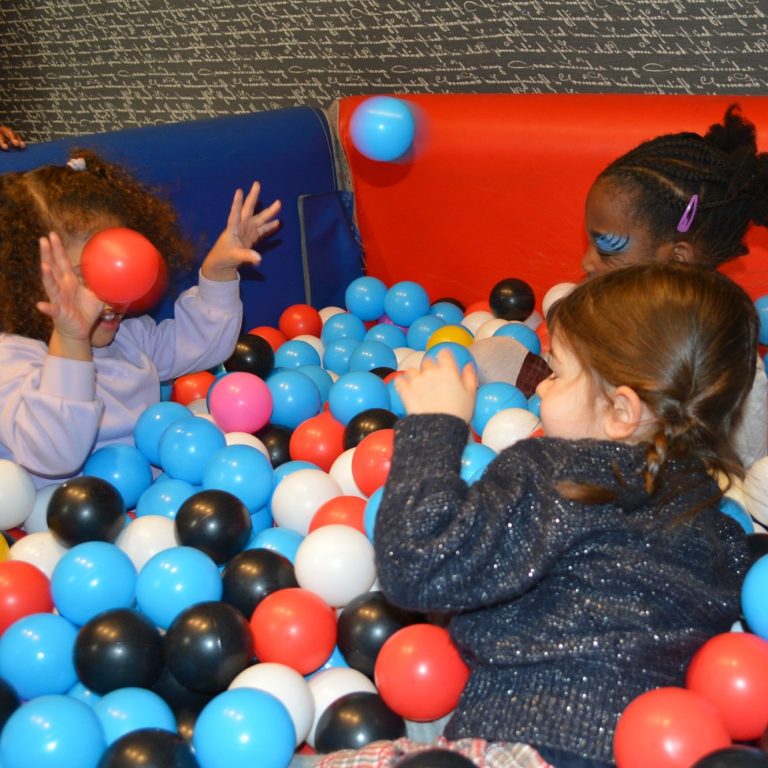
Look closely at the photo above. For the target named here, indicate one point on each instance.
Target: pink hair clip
(76, 163)
(688, 214)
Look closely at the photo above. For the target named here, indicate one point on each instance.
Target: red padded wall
(495, 185)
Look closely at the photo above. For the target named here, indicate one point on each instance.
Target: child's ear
(680, 250)
(625, 414)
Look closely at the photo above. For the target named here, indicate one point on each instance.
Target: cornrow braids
(722, 167)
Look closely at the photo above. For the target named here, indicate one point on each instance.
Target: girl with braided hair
(586, 566)
(74, 374)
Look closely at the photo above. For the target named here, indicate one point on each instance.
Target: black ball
(208, 645)
(176, 696)
(215, 522)
(365, 624)
(86, 509)
(252, 354)
(253, 574)
(734, 757)
(277, 440)
(9, 701)
(436, 758)
(118, 648)
(149, 748)
(512, 299)
(382, 371)
(354, 720)
(365, 422)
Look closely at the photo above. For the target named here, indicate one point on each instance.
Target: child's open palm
(244, 229)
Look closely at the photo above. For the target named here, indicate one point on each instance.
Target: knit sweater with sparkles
(564, 611)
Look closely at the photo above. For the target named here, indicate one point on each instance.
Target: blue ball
(242, 470)
(294, 353)
(186, 448)
(364, 297)
(260, 521)
(754, 606)
(164, 497)
(129, 709)
(283, 541)
(320, 376)
(355, 392)
(37, 655)
(492, 398)
(534, 404)
(372, 354)
(474, 459)
(461, 354)
(174, 579)
(371, 510)
(733, 509)
(406, 301)
(382, 128)
(342, 325)
(336, 659)
(288, 467)
(421, 329)
(81, 693)
(152, 423)
(338, 353)
(125, 466)
(90, 578)
(388, 334)
(52, 732)
(295, 397)
(447, 311)
(761, 305)
(522, 333)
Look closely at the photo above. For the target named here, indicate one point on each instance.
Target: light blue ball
(364, 297)
(342, 325)
(336, 659)
(81, 693)
(243, 471)
(371, 510)
(474, 459)
(534, 404)
(323, 380)
(125, 466)
(421, 329)
(295, 397)
(492, 398)
(382, 128)
(447, 311)
(522, 333)
(129, 709)
(338, 353)
(733, 509)
(355, 392)
(754, 606)
(761, 305)
(405, 301)
(164, 497)
(294, 353)
(372, 354)
(283, 541)
(152, 423)
(388, 334)
(187, 446)
(461, 354)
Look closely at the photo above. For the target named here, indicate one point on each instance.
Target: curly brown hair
(72, 203)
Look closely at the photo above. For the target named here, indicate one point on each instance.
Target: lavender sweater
(54, 412)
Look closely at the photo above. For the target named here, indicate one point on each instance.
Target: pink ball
(240, 402)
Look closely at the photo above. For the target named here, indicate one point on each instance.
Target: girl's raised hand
(439, 387)
(244, 229)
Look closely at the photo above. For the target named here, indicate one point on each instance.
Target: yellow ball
(455, 333)
(5, 550)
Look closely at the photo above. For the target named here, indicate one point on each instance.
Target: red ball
(419, 672)
(668, 728)
(149, 300)
(24, 589)
(299, 320)
(295, 627)
(120, 265)
(319, 439)
(269, 334)
(372, 459)
(481, 305)
(340, 510)
(731, 670)
(192, 386)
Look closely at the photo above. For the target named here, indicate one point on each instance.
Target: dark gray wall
(76, 66)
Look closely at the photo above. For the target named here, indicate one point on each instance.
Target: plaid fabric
(387, 754)
(533, 371)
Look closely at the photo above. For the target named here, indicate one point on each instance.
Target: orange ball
(192, 386)
(270, 334)
(300, 319)
(319, 439)
(340, 510)
(372, 459)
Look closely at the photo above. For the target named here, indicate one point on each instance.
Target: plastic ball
(120, 265)
(125, 466)
(731, 671)
(149, 748)
(371, 510)
(214, 521)
(344, 325)
(295, 397)
(341, 510)
(555, 293)
(435, 757)
(474, 459)
(382, 128)
(354, 721)
(187, 446)
(270, 334)
(40, 549)
(252, 575)
(318, 440)
(406, 301)
(145, 536)
(734, 509)
(240, 402)
(341, 472)
(244, 727)
(512, 299)
(276, 440)
(173, 580)
(242, 471)
(130, 709)
(300, 319)
(287, 686)
(10, 702)
(368, 355)
(24, 590)
(298, 496)
(192, 386)
(522, 333)
(475, 320)
(152, 423)
(53, 731)
(457, 334)
(119, 648)
(295, 627)
(489, 328)
(387, 334)
(338, 353)
(252, 354)
(182, 700)
(17, 494)
(322, 378)
(419, 672)
(295, 354)
(164, 498)
(492, 398)
(86, 509)
(356, 392)
(422, 329)
(90, 578)
(754, 606)
(737, 756)
(507, 426)
(372, 460)
(461, 354)
(282, 541)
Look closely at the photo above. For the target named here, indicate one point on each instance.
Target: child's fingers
(249, 206)
(235, 210)
(469, 377)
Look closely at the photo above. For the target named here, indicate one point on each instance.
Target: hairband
(76, 163)
(686, 220)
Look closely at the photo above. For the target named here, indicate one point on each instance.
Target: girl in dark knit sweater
(587, 566)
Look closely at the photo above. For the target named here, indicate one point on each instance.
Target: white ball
(555, 293)
(341, 472)
(40, 549)
(508, 426)
(313, 341)
(412, 360)
(331, 684)
(285, 684)
(299, 495)
(474, 320)
(145, 536)
(534, 320)
(401, 353)
(489, 327)
(327, 312)
(756, 490)
(336, 562)
(199, 407)
(17, 494)
(38, 518)
(246, 438)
